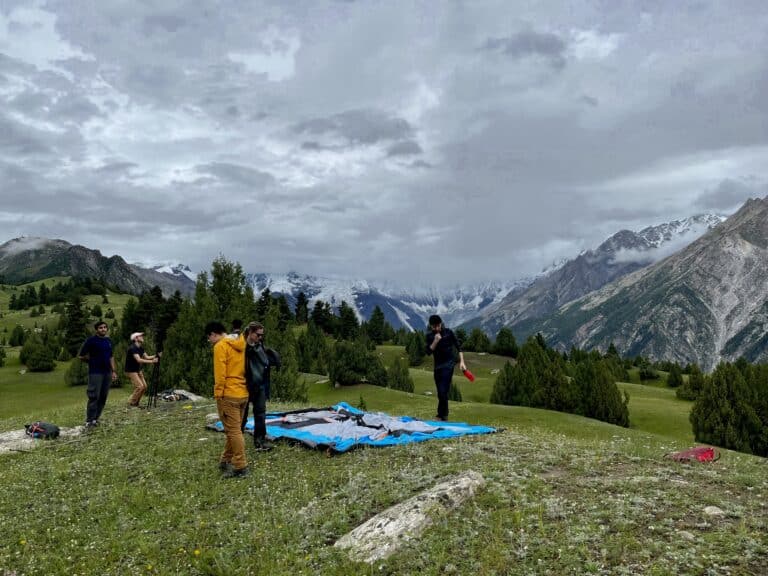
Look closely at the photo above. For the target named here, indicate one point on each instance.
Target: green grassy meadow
(563, 495)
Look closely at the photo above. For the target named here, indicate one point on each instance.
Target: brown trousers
(139, 387)
(231, 416)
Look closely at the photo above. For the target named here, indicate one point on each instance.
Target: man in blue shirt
(441, 343)
(97, 351)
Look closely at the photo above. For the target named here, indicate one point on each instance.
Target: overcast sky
(404, 140)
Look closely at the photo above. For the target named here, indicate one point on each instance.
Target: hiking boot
(91, 424)
(225, 466)
(263, 445)
(239, 473)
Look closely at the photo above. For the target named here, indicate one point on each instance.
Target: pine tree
(505, 385)
(376, 326)
(416, 348)
(349, 326)
(478, 341)
(505, 344)
(17, 336)
(399, 378)
(675, 377)
(75, 324)
(724, 412)
(601, 397)
(312, 350)
(302, 308)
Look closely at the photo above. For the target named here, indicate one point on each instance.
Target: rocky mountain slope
(623, 253)
(28, 259)
(705, 303)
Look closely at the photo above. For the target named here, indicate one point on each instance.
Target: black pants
(443, 377)
(259, 400)
(98, 390)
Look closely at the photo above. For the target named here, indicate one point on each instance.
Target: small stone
(685, 535)
(713, 511)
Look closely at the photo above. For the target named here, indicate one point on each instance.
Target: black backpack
(42, 430)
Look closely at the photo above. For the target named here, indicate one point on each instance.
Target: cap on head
(136, 335)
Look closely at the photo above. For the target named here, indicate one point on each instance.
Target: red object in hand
(469, 375)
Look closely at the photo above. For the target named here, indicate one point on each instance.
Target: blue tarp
(342, 427)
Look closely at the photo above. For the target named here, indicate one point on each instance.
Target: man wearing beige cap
(134, 358)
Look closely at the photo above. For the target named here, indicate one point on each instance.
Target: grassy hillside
(564, 495)
(11, 318)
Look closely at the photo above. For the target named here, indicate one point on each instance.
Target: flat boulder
(382, 535)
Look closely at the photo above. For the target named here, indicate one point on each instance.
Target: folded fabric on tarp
(342, 427)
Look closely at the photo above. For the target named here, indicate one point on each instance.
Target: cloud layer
(394, 140)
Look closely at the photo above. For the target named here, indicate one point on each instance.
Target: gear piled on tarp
(342, 427)
(697, 454)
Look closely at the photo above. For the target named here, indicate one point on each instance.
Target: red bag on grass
(697, 454)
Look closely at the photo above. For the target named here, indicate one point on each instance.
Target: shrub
(77, 373)
(36, 355)
(399, 377)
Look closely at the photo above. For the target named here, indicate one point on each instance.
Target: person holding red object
(441, 343)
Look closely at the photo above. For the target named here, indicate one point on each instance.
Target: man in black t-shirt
(97, 352)
(134, 358)
(441, 343)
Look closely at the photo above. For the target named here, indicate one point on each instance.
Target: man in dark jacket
(441, 343)
(257, 372)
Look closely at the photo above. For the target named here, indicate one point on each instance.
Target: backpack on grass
(697, 454)
(42, 430)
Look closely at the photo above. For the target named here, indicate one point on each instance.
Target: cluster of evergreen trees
(731, 407)
(582, 383)
(60, 292)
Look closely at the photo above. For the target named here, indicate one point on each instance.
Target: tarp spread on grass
(343, 427)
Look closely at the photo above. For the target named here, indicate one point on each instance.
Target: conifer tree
(505, 385)
(312, 350)
(349, 326)
(724, 412)
(416, 348)
(505, 344)
(376, 326)
(399, 378)
(302, 308)
(478, 341)
(75, 324)
(675, 377)
(17, 336)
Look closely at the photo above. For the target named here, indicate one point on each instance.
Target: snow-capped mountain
(621, 254)
(174, 270)
(402, 308)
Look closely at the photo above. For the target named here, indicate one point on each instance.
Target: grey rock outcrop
(382, 535)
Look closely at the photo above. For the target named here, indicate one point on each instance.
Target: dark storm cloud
(528, 43)
(357, 127)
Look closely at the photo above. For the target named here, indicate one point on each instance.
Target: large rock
(383, 534)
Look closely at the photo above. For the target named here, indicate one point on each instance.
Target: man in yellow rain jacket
(231, 395)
